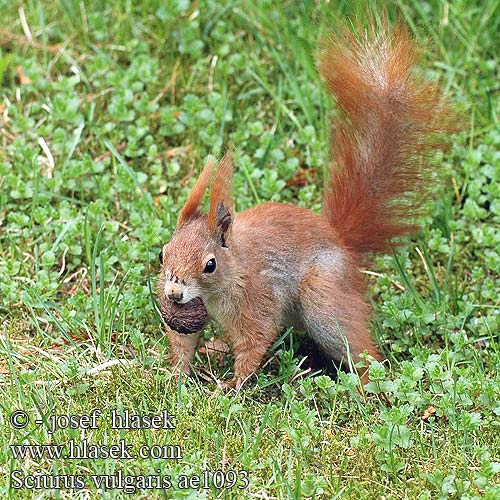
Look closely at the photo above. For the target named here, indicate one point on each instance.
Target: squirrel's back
(286, 237)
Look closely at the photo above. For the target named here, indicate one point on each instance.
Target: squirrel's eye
(160, 257)
(210, 266)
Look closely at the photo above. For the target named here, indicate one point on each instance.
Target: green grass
(107, 113)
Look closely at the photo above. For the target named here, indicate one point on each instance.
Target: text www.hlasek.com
(82, 449)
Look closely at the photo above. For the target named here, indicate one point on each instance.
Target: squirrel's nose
(174, 292)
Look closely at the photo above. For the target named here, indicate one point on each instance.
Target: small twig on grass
(24, 24)
(170, 84)
(397, 284)
(7, 36)
(108, 364)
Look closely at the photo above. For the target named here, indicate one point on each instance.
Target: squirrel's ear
(191, 207)
(223, 221)
(219, 215)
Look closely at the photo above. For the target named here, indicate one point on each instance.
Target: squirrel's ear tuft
(223, 221)
(219, 215)
(191, 207)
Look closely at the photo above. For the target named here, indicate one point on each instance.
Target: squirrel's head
(195, 261)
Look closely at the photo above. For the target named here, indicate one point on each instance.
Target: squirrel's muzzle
(174, 292)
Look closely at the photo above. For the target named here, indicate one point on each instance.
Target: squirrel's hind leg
(335, 317)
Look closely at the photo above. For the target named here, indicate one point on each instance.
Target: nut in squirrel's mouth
(187, 318)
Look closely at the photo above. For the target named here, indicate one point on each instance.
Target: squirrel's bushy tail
(388, 122)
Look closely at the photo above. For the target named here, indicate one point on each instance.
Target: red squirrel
(277, 265)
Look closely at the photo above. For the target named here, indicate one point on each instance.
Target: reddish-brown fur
(220, 191)
(192, 204)
(389, 120)
(280, 265)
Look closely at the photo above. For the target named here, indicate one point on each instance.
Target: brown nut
(186, 318)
